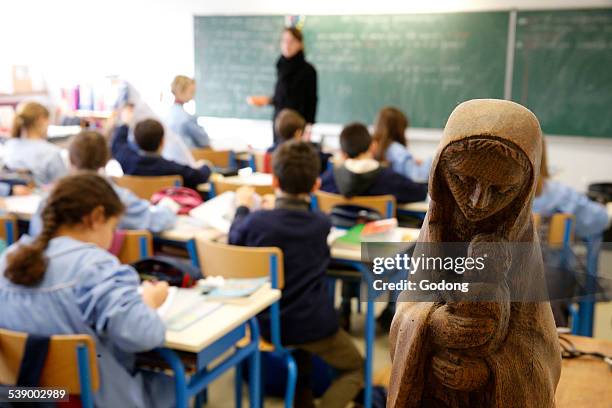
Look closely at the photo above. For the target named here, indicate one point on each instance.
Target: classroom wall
(148, 42)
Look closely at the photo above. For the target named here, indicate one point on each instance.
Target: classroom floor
(221, 394)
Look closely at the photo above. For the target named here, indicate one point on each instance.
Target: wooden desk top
(220, 322)
(421, 206)
(586, 381)
(255, 179)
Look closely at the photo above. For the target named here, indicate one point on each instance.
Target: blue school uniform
(86, 290)
(377, 181)
(40, 157)
(139, 214)
(186, 126)
(307, 311)
(402, 162)
(591, 217)
(138, 163)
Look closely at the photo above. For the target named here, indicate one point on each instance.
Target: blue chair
(231, 261)
(70, 363)
(8, 228)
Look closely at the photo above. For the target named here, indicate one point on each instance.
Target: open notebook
(183, 307)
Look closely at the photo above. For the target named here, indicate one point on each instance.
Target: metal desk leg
(254, 366)
(369, 334)
(180, 382)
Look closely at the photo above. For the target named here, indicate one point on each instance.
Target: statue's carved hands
(459, 372)
(449, 330)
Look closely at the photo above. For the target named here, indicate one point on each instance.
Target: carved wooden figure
(501, 353)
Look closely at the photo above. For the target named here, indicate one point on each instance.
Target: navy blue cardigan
(136, 163)
(307, 311)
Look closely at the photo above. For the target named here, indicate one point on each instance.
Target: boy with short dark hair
(361, 175)
(147, 161)
(290, 125)
(308, 318)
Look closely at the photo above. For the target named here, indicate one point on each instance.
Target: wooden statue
(500, 353)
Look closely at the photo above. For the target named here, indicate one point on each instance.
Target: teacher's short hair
(296, 166)
(288, 122)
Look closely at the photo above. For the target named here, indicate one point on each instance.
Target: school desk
(584, 382)
(212, 336)
(23, 207)
(418, 209)
(254, 179)
(351, 256)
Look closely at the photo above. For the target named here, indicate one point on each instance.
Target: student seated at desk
(181, 122)
(392, 147)
(555, 197)
(88, 151)
(28, 149)
(146, 160)
(290, 125)
(308, 318)
(361, 175)
(65, 282)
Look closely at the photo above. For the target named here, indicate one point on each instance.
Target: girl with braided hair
(65, 282)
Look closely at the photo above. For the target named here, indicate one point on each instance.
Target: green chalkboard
(563, 70)
(423, 63)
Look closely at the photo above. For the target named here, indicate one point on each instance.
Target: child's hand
(154, 293)
(245, 196)
(268, 201)
(20, 190)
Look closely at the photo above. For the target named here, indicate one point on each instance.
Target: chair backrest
(145, 186)
(232, 261)
(221, 186)
(257, 161)
(384, 204)
(8, 228)
(219, 158)
(137, 244)
(61, 368)
(560, 229)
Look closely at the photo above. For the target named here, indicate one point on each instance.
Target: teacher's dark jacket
(296, 87)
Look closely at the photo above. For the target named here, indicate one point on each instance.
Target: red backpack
(187, 198)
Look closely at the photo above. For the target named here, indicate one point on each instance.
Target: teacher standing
(296, 80)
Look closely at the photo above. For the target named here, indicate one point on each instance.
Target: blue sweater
(138, 163)
(307, 311)
(340, 180)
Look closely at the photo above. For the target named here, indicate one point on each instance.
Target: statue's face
(482, 182)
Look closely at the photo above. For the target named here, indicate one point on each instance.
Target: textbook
(375, 231)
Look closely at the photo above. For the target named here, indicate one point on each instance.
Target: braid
(73, 198)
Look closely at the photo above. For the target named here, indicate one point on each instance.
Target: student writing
(89, 151)
(555, 197)
(147, 159)
(308, 318)
(28, 149)
(392, 146)
(290, 125)
(65, 282)
(361, 175)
